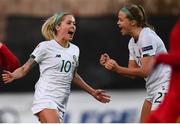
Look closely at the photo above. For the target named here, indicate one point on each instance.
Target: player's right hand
(104, 58)
(111, 65)
(7, 77)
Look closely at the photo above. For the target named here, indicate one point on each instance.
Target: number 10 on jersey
(66, 66)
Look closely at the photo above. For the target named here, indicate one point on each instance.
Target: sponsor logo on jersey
(58, 55)
(147, 48)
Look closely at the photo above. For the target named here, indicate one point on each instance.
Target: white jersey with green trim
(150, 44)
(57, 65)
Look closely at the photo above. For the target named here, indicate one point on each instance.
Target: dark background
(94, 35)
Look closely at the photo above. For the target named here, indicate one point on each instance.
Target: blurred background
(97, 32)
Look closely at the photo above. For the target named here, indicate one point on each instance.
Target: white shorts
(157, 96)
(49, 104)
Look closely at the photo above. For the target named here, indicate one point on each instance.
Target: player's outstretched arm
(19, 72)
(98, 94)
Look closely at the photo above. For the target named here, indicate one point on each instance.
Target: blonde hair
(49, 27)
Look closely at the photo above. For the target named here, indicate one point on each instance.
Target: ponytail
(49, 27)
(47, 30)
(144, 22)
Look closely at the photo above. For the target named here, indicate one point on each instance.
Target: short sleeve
(148, 46)
(39, 52)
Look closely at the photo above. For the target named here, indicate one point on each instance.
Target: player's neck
(62, 42)
(135, 32)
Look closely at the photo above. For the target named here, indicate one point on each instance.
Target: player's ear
(57, 27)
(133, 22)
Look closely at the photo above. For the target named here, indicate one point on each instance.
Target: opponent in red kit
(169, 110)
(8, 61)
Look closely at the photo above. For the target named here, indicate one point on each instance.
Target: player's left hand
(101, 96)
(104, 58)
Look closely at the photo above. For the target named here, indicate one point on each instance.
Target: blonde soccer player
(58, 61)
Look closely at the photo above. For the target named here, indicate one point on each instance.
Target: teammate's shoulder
(147, 32)
(74, 46)
(42, 44)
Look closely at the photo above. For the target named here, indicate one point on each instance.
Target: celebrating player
(58, 61)
(143, 46)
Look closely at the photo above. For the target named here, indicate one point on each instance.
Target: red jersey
(169, 110)
(8, 61)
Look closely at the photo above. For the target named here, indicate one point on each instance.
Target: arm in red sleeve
(10, 61)
(171, 59)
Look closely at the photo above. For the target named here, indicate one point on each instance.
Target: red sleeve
(173, 57)
(10, 61)
(170, 59)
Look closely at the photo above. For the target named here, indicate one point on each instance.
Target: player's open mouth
(71, 32)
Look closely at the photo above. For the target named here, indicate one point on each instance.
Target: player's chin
(69, 39)
(123, 32)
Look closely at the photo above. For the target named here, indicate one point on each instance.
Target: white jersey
(150, 44)
(57, 65)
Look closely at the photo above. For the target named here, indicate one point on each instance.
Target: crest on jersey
(76, 60)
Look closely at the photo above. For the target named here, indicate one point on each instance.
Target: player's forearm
(20, 72)
(82, 84)
(131, 72)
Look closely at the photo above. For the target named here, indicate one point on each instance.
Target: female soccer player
(143, 46)
(8, 61)
(169, 110)
(58, 60)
